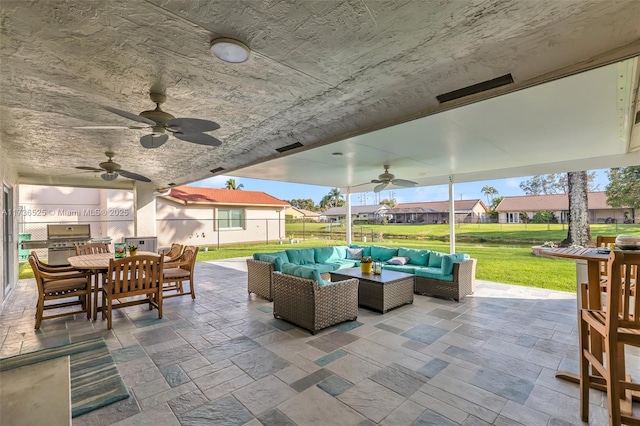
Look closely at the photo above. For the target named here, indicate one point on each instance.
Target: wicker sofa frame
(302, 302)
(260, 278)
(464, 276)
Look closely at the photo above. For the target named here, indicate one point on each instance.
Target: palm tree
(489, 192)
(335, 195)
(231, 184)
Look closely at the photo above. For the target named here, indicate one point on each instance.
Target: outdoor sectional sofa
(450, 276)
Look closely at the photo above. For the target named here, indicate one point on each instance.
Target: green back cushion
(383, 253)
(449, 260)
(277, 261)
(416, 257)
(282, 255)
(340, 252)
(302, 271)
(324, 254)
(301, 256)
(366, 250)
(435, 259)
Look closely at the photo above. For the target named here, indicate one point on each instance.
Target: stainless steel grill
(62, 240)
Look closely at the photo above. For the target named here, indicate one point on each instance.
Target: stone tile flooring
(224, 360)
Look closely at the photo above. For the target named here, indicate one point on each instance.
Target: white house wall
(9, 178)
(196, 224)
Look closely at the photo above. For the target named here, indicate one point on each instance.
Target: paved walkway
(224, 360)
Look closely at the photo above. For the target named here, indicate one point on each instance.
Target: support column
(348, 217)
(452, 218)
(144, 210)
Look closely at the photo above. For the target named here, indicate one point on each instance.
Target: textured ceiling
(320, 71)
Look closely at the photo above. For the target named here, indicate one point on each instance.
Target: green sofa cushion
(408, 269)
(434, 273)
(435, 259)
(323, 267)
(416, 257)
(303, 271)
(301, 256)
(366, 249)
(330, 254)
(449, 260)
(344, 264)
(277, 261)
(383, 253)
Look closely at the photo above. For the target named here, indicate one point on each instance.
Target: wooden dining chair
(179, 271)
(92, 248)
(174, 253)
(618, 323)
(129, 278)
(51, 268)
(65, 288)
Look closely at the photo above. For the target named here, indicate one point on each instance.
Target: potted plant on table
(366, 263)
(132, 250)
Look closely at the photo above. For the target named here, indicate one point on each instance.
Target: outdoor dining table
(593, 297)
(98, 263)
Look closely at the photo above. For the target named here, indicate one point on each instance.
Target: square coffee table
(379, 292)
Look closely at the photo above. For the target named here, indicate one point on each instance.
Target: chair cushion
(416, 257)
(435, 259)
(303, 271)
(354, 253)
(344, 264)
(398, 260)
(275, 260)
(434, 273)
(407, 269)
(301, 256)
(53, 286)
(175, 273)
(366, 250)
(383, 253)
(325, 254)
(449, 260)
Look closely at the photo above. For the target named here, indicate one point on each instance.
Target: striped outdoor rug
(95, 380)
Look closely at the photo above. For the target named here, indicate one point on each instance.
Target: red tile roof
(192, 194)
(551, 202)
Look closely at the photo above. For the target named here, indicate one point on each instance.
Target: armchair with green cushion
(303, 298)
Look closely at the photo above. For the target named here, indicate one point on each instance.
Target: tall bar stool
(618, 323)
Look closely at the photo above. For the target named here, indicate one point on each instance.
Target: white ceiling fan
(387, 178)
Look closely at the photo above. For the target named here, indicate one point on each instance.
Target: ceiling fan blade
(376, 181)
(199, 138)
(404, 182)
(380, 187)
(91, 169)
(107, 127)
(152, 141)
(192, 125)
(133, 176)
(130, 116)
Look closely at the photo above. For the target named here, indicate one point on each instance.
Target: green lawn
(503, 251)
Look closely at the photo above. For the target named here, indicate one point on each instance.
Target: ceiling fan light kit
(112, 170)
(230, 50)
(109, 176)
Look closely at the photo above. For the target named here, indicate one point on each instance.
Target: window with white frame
(230, 219)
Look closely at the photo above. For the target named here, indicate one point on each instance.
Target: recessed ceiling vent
(216, 170)
(476, 88)
(289, 147)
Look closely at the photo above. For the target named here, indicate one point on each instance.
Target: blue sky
(465, 191)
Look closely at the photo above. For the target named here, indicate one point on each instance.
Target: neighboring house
(209, 216)
(300, 214)
(466, 211)
(188, 215)
(511, 209)
(370, 214)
